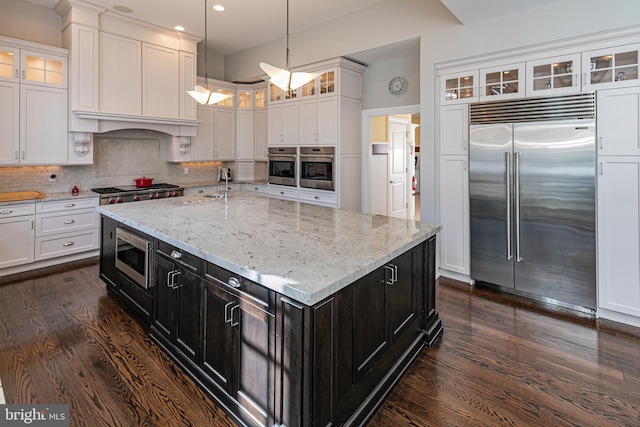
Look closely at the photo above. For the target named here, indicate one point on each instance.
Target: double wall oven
(283, 166)
(312, 167)
(317, 167)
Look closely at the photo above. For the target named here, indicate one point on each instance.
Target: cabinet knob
(234, 282)
(176, 254)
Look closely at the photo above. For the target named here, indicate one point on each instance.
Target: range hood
(100, 122)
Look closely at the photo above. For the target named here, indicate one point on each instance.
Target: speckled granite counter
(49, 197)
(303, 251)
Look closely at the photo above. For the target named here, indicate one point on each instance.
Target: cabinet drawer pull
(69, 205)
(234, 282)
(234, 322)
(70, 243)
(317, 197)
(227, 314)
(393, 269)
(6, 212)
(171, 282)
(282, 192)
(176, 254)
(69, 221)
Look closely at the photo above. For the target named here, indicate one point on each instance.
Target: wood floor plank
(501, 361)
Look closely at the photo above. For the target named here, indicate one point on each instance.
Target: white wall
(375, 83)
(26, 21)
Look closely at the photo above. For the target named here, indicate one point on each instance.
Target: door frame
(366, 145)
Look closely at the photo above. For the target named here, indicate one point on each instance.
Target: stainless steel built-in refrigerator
(532, 198)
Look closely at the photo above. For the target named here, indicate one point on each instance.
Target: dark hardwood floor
(501, 361)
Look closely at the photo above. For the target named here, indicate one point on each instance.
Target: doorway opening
(391, 161)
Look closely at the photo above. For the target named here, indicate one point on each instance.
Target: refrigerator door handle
(507, 159)
(516, 177)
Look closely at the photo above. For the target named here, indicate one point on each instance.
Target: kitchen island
(285, 313)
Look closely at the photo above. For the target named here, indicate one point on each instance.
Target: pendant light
(203, 94)
(285, 79)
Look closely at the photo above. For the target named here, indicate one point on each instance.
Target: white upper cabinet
(33, 104)
(454, 129)
(611, 67)
(260, 127)
(618, 122)
(120, 77)
(318, 121)
(160, 78)
(188, 67)
(459, 88)
(503, 82)
(283, 124)
(553, 76)
(323, 85)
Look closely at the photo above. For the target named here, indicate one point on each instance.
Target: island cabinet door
(177, 307)
(108, 270)
(370, 321)
(239, 347)
(401, 290)
(219, 347)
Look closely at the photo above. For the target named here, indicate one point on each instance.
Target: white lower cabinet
(66, 227)
(283, 192)
(17, 231)
(256, 188)
(325, 198)
(454, 214)
(618, 231)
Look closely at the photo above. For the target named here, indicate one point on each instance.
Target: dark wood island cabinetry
(270, 359)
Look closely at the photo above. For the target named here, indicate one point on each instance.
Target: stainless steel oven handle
(320, 158)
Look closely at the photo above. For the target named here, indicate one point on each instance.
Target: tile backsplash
(119, 158)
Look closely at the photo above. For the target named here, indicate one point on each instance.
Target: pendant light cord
(206, 47)
(287, 59)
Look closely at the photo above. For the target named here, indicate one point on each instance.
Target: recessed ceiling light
(123, 9)
(219, 8)
(179, 28)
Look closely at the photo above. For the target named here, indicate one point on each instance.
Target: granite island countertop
(303, 251)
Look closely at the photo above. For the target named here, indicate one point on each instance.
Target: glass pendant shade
(285, 79)
(206, 96)
(201, 94)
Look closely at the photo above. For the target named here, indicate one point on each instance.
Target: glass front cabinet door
(553, 76)
(459, 88)
(612, 67)
(506, 81)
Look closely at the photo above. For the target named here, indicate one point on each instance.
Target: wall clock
(398, 85)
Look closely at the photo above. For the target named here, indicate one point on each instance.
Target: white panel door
(308, 111)
(276, 123)
(327, 121)
(260, 134)
(454, 214)
(244, 128)
(121, 75)
(225, 134)
(188, 65)
(202, 144)
(290, 124)
(43, 125)
(618, 123)
(160, 74)
(398, 190)
(9, 123)
(619, 234)
(454, 129)
(18, 238)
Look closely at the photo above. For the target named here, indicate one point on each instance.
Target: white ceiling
(469, 11)
(247, 23)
